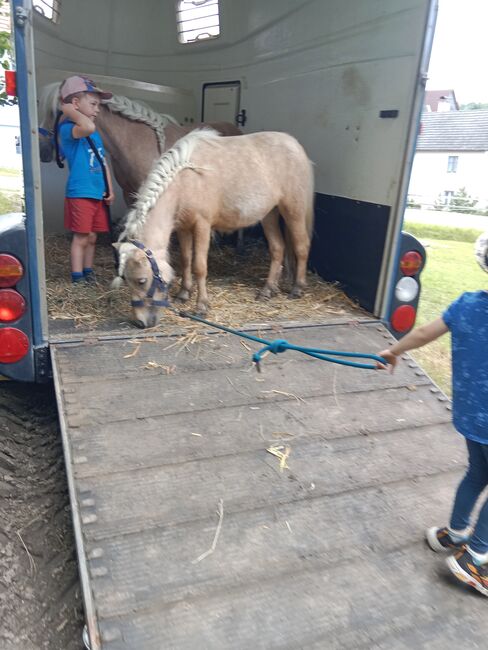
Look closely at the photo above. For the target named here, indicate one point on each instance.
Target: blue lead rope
(281, 345)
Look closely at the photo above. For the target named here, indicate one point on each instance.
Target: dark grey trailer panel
(164, 446)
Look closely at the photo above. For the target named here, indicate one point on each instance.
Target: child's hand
(109, 199)
(68, 110)
(388, 356)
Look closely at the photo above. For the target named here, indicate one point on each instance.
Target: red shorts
(85, 215)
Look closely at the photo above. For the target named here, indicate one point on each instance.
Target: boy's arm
(83, 125)
(415, 339)
(111, 196)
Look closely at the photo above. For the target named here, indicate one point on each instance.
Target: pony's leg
(201, 240)
(300, 244)
(271, 227)
(185, 239)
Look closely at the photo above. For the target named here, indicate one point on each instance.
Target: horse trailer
(170, 454)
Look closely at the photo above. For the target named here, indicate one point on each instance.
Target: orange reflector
(11, 83)
(12, 305)
(11, 270)
(411, 262)
(14, 345)
(403, 318)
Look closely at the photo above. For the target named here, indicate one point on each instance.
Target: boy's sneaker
(467, 570)
(440, 540)
(90, 278)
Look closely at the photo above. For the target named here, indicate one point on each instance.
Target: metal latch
(21, 16)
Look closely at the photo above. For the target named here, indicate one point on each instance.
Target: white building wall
(9, 131)
(430, 177)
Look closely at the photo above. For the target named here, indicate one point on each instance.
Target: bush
(412, 204)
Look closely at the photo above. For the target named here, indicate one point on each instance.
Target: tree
(462, 202)
(474, 106)
(5, 61)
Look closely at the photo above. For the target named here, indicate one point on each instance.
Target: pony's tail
(290, 265)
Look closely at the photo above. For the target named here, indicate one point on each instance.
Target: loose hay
(232, 286)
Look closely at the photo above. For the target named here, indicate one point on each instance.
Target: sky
(459, 59)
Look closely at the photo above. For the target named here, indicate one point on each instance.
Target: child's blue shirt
(467, 320)
(85, 172)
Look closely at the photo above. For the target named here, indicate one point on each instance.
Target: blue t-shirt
(467, 319)
(85, 179)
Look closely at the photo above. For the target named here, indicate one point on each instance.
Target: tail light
(407, 287)
(14, 345)
(11, 270)
(12, 305)
(403, 318)
(411, 263)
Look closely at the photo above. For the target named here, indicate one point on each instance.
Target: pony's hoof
(201, 310)
(266, 293)
(183, 295)
(296, 292)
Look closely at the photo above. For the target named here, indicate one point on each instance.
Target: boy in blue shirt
(467, 320)
(85, 211)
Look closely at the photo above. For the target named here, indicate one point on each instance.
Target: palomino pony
(204, 182)
(133, 134)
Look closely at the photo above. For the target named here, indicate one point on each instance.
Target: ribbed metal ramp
(166, 455)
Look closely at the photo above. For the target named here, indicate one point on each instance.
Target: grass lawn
(7, 171)
(10, 203)
(451, 269)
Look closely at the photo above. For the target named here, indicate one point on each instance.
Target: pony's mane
(132, 110)
(163, 172)
(139, 112)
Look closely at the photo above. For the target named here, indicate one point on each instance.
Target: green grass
(10, 203)
(450, 270)
(8, 171)
(425, 230)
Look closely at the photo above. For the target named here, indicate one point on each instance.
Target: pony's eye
(142, 280)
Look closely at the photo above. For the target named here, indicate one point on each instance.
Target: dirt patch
(40, 596)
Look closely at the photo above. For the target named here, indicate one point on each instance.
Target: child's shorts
(85, 215)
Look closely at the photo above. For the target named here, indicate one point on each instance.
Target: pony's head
(148, 276)
(48, 107)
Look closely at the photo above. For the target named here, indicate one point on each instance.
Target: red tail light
(11, 270)
(411, 262)
(403, 318)
(14, 345)
(12, 305)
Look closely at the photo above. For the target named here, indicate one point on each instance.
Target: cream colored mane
(132, 110)
(161, 175)
(138, 112)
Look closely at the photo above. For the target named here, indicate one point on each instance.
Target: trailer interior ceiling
(340, 76)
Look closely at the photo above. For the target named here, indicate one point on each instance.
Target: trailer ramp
(192, 534)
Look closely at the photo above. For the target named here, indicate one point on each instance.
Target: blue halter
(157, 280)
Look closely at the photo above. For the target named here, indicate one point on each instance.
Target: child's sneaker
(467, 570)
(441, 541)
(90, 277)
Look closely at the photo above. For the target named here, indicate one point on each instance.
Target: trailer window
(197, 20)
(48, 8)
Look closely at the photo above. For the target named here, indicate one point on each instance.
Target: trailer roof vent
(48, 8)
(197, 20)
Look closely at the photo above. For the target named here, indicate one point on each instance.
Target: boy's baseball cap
(481, 251)
(79, 84)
